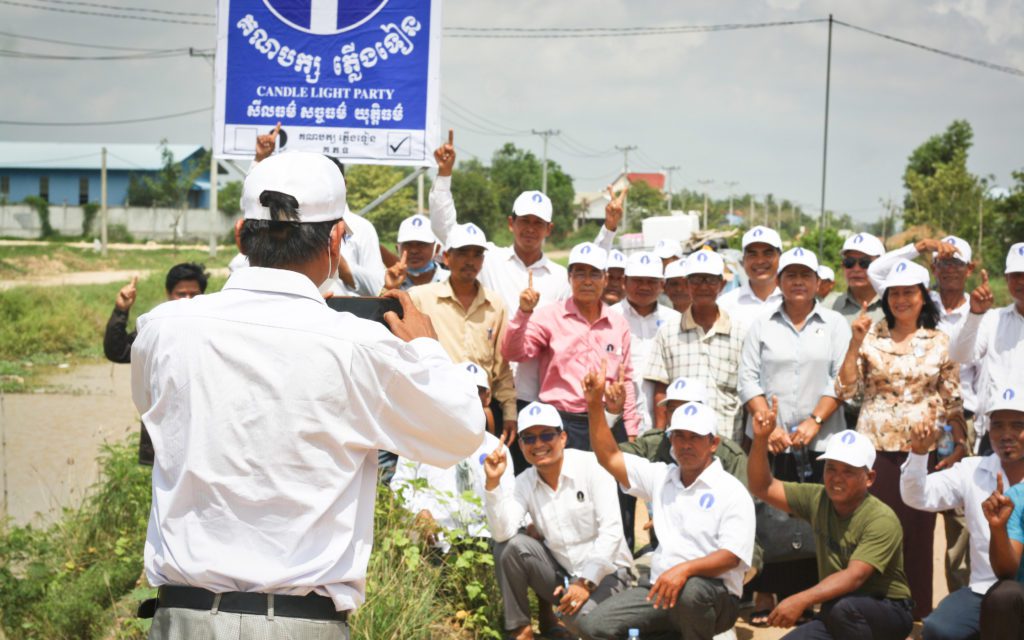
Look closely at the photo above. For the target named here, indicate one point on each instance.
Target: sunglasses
(863, 262)
(530, 438)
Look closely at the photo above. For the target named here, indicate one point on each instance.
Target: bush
(42, 208)
(89, 211)
(119, 233)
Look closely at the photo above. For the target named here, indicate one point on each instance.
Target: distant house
(591, 204)
(69, 173)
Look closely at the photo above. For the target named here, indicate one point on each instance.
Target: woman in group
(902, 365)
(793, 353)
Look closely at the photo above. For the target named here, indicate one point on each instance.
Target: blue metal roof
(86, 155)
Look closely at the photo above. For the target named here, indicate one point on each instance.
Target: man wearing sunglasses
(859, 251)
(581, 558)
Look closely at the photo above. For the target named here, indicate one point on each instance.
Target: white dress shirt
(579, 520)
(965, 486)
(995, 343)
(714, 513)
(266, 410)
(642, 331)
(442, 496)
(744, 307)
(505, 274)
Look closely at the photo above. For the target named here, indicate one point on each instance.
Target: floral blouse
(904, 385)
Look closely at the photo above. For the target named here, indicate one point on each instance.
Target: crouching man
(581, 557)
(862, 588)
(705, 523)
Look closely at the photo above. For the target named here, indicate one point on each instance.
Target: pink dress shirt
(567, 347)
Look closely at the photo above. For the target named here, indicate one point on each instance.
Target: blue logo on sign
(680, 384)
(798, 251)
(472, 230)
(325, 17)
(707, 501)
(618, 257)
(901, 267)
(585, 249)
(417, 222)
(537, 197)
(758, 232)
(690, 410)
(702, 256)
(858, 239)
(483, 456)
(535, 410)
(645, 260)
(471, 368)
(1008, 394)
(848, 438)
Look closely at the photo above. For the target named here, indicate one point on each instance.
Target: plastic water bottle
(804, 468)
(634, 633)
(945, 446)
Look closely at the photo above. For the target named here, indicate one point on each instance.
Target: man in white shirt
(266, 410)
(705, 523)
(417, 248)
(581, 558)
(614, 289)
(760, 293)
(966, 486)
(644, 283)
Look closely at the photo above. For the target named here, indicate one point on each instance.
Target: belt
(310, 606)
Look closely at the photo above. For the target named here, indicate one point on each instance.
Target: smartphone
(367, 308)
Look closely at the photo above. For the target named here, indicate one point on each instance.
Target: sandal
(558, 633)
(760, 618)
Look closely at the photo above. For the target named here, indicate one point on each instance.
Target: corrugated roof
(86, 155)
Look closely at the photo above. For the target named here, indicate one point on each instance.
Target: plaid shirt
(684, 350)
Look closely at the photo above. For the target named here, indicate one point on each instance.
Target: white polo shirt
(743, 305)
(642, 331)
(714, 513)
(579, 520)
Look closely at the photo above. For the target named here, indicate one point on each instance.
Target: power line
(483, 121)
(106, 14)
(123, 8)
(949, 54)
(102, 123)
(609, 32)
(24, 55)
(74, 44)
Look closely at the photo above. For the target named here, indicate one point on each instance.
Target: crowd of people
(791, 444)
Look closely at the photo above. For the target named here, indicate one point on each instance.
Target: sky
(743, 107)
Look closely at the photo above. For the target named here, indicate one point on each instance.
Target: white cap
(695, 417)
(798, 255)
(478, 373)
(416, 229)
(685, 390)
(466, 235)
(616, 260)
(589, 253)
(533, 203)
(703, 261)
(675, 269)
(538, 414)
(826, 273)
(865, 243)
(906, 273)
(666, 248)
(1007, 399)
(851, 448)
(310, 178)
(644, 265)
(963, 249)
(1015, 258)
(762, 234)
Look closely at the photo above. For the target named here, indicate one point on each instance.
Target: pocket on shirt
(584, 518)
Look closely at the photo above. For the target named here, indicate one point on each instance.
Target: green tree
(365, 182)
(515, 170)
(832, 245)
(946, 200)
(1004, 224)
(476, 197)
(229, 199)
(644, 201)
(939, 149)
(172, 183)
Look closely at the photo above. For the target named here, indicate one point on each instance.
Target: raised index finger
(999, 483)
(451, 137)
(135, 281)
(530, 284)
(405, 256)
(984, 276)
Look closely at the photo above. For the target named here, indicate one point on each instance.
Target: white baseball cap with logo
(466, 235)
(1015, 258)
(906, 274)
(589, 253)
(675, 269)
(865, 243)
(798, 256)
(533, 203)
(1007, 399)
(685, 390)
(416, 229)
(762, 234)
(826, 273)
(311, 178)
(616, 260)
(695, 417)
(644, 264)
(538, 414)
(850, 447)
(477, 372)
(707, 262)
(667, 248)
(963, 249)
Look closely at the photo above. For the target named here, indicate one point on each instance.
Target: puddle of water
(53, 438)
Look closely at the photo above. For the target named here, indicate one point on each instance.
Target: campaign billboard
(354, 79)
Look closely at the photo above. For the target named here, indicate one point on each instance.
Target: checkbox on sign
(399, 144)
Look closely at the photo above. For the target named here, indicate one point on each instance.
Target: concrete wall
(22, 221)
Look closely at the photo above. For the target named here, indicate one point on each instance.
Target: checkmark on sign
(399, 144)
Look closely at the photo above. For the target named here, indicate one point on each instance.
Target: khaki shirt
(849, 308)
(472, 335)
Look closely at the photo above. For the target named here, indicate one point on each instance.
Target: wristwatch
(589, 585)
(816, 419)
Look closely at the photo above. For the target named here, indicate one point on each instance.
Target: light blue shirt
(1015, 527)
(797, 366)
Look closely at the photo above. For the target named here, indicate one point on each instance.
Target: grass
(52, 258)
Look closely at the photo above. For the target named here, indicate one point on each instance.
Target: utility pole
(214, 168)
(419, 194)
(668, 173)
(824, 148)
(730, 186)
(625, 174)
(705, 183)
(547, 133)
(753, 210)
(103, 202)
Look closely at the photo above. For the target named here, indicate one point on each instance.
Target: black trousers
(858, 618)
(1002, 611)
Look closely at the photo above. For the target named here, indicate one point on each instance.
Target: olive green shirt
(872, 534)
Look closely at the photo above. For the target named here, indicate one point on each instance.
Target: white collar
(274, 281)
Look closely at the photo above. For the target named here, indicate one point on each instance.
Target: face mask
(430, 266)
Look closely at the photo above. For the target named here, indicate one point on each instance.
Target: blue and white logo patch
(679, 384)
(758, 232)
(1008, 394)
(857, 239)
(707, 501)
(798, 251)
(417, 222)
(690, 410)
(645, 259)
(483, 457)
(585, 249)
(535, 410)
(471, 368)
(537, 197)
(702, 256)
(901, 267)
(848, 438)
(325, 17)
